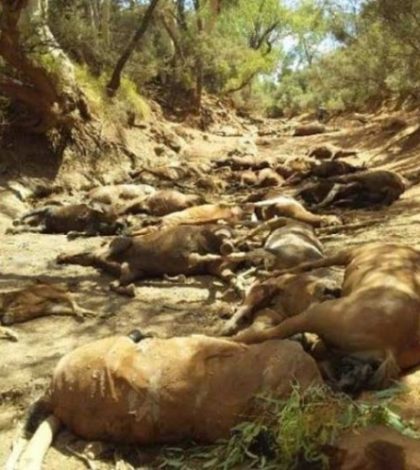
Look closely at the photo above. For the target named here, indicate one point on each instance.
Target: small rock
(159, 151)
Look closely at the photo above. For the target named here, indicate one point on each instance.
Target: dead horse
(378, 315)
(164, 390)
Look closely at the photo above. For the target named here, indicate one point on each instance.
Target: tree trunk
(115, 81)
(34, 22)
(90, 14)
(95, 10)
(105, 20)
(46, 84)
(245, 82)
(199, 61)
(215, 10)
(170, 26)
(204, 33)
(181, 16)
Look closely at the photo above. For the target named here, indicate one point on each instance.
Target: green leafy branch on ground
(284, 434)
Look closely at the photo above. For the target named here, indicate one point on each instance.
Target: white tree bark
(46, 82)
(105, 20)
(33, 24)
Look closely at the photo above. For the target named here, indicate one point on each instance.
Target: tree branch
(243, 84)
(115, 81)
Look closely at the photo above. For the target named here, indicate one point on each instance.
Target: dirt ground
(170, 308)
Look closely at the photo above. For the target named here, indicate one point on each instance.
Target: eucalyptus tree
(36, 72)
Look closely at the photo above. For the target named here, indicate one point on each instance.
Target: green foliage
(129, 94)
(291, 56)
(286, 434)
(128, 99)
(253, 30)
(92, 87)
(230, 47)
(309, 27)
(373, 55)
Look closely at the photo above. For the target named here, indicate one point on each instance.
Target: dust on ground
(170, 308)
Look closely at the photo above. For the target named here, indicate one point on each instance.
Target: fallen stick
(332, 236)
(355, 226)
(161, 175)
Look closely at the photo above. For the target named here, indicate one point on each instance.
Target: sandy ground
(164, 307)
